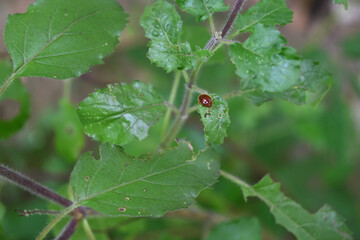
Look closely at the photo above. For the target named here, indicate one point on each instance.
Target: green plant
(55, 40)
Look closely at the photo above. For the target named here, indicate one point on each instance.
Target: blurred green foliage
(313, 152)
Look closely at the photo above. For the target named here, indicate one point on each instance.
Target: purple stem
(68, 230)
(232, 18)
(32, 186)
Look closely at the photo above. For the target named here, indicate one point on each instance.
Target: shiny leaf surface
(120, 185)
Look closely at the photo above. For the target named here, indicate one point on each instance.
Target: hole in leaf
(120, 209)
(9, 109)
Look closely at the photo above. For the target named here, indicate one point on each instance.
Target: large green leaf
(202, 9)
(216, 120)
(63, 38)
(163, 25)
(267, 12)
(17, 92)
(69, 133)
(120, 185)
(270, 70)
(120, 113)
(238, 229)
(324, 224)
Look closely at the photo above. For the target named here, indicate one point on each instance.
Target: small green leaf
(16, 92)
(63, 38)
(202, 9)
(269, 70)
(120, 113)
(324, 224)
(69, 136)
(172, 57)
(266, 12)
(216, 120)
(163, 26)
(239, 229)
(343, 2)
(120, 185)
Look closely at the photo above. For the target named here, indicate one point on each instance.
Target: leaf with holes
(216, 120)
(163, 25)
(324, 224)
(63, 38)
(266, 12)
(269, 70)
(239, 229)
(18, 93)
(120, 185)
(69, 135)
(202, 9)
(120, 113)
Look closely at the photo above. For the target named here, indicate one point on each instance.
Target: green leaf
(239, 229)
(324, 224)
(266, 12)
(63, 38)
(216, 120)
(202, 9)
(120, 113)
(343, 2)
(163, 25)
(16, 92)
(69, 136)
(269, 70)
(120, 185)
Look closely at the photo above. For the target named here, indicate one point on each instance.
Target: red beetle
(205, 100)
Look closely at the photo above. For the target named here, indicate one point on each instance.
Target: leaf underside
(324, 224)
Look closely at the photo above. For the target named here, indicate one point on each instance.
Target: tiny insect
(205, 100)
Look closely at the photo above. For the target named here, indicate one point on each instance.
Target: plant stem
(232, 18)
(67, 89)
(32, 186)
(68, 230)
(53, 222)
(174, 89)
(234, 179)
(27, 213)
(186, 76)
(6, 84)
(212, 26)
(87, 229)
(238, 93)
(180, 120)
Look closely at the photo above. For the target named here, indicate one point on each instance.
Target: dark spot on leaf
(121, 209)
